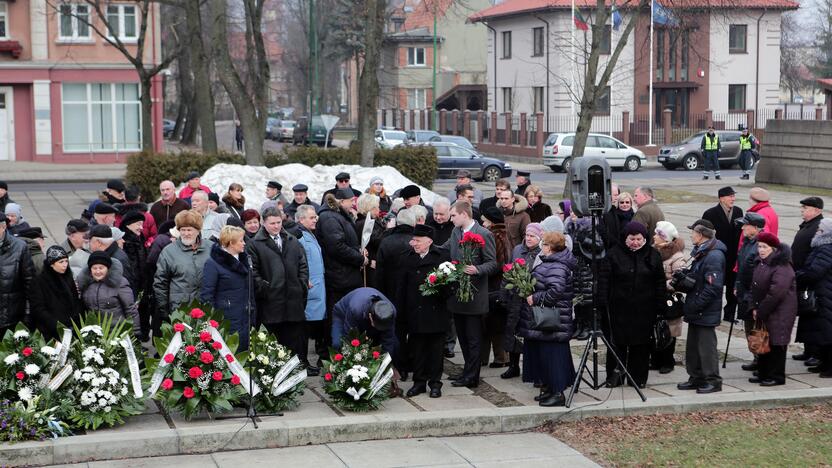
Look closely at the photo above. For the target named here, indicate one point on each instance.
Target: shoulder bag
(758, 339)
(675, 306)
(545, 319)
(807, 303)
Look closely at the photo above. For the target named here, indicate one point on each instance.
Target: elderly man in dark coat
(811, 211)
(366, 310)
(816, 329)
(468, 316)
(722, 216)
(341, 247)
(427, 316)
(281, 281)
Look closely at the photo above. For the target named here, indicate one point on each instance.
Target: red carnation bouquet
(198, 370)
(519, 278)
(469, 244)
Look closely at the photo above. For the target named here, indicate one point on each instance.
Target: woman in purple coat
(547, 359)
(773, 302)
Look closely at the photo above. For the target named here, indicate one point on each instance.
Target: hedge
(147, 169)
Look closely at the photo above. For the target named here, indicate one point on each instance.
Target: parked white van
(557, 151)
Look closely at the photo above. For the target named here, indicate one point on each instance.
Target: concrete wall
(797, 152)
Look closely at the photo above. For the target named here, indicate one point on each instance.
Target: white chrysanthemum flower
(48, 350)
(261, 336)
(25, 394)
(31, 369)
(11, 359)
(281, 354)
(359, 357)
(107, 409)
(21, 335)
(123, 390)
(96, 329)
(77, 375)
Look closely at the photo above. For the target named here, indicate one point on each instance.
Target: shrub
(146, 169)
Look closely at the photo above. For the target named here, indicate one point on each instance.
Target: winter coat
(391, 253)
(149, 228)
(225, 285)
(376, 236)
(516, 220)
(816, 274)
(162, 212)
(332, 191)
(649, 214)
(115, 252)
(442, 232)
(802, 244)
(54, 300)
(187, 191)
(485, 203)
(774, 295)
(36, 253)
(159, 243)
(613, 224)
(765, 210)
(21, 226)
(726, 231)
(316, 299)
(281, 278)
(236, 207)
(112, 296)
(521, 189)
(16, 272)
(425, 314)
(513, 303)
(136, 254)
(747, 260)
(673, 258)
(637, 293)
(502, 250)
(538, 212)
(703, 305)
(292, 208)
(341, 247)
(352, 312)
(486, 263)
(178, 278)
(553, 289)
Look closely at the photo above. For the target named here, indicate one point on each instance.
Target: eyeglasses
(625, 202)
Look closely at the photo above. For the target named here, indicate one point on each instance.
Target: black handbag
(807, 302)
(675, 307)
(545, 319)
(661, 335)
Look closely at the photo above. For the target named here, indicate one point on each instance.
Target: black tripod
(595, 334)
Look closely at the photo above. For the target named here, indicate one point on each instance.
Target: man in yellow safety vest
(710, 150)
(747, 144)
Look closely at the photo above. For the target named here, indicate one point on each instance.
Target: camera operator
(703, 307)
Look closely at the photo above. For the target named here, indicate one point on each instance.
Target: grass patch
(821, 192)
(792, 436)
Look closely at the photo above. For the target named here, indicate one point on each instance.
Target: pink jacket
(765, 210)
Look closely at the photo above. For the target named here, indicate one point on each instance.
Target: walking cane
(730, 332)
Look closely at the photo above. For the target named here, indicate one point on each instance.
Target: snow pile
(319, 179)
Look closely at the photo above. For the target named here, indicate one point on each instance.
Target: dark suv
(688, 153)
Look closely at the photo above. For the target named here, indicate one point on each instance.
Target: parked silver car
(688, 153)
(557, 152)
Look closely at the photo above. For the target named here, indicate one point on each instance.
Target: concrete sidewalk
(21, 171)
(494, 450)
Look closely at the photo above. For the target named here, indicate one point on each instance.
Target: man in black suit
(722, 216)
(468, 316)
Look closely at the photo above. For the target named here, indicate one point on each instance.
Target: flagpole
(650, 98)
(612, 46)
(574, 57)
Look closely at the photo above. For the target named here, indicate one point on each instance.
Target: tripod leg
(728, 345)
(581, 367)
(624, 368)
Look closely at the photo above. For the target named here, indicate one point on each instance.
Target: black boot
(513, 367)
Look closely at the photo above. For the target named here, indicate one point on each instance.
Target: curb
(275, 433)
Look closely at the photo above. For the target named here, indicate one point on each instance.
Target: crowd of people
(311, 272)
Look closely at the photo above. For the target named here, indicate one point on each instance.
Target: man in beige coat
(648, 212)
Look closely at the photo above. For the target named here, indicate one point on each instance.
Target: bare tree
(203, 103)
(792, 67)
(250, 102)
(99, 22)
(368, 82)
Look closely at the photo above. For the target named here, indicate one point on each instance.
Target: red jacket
(765, 210)
(187, 191)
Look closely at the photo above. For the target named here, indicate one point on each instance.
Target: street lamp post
(433, 107)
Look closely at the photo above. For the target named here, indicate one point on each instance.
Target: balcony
(12, 47)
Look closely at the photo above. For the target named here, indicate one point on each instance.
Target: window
(101, 117)
(606, 40)
(737, 35)
(602, 102)
(507, 104)
(537, 94)
(415, 56)
(4, 15)
(659, 54)
(683, 72)
(506, 45)
(537, 42)
(74, 21)
(568, 141)
(736, 98)
(416, 98)
(592, 142)
(604, 142)
(122, 21)
(671, 55)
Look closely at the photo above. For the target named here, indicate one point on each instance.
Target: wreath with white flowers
(106, 380)
(25, 360)
(357, 377)
(279, 374)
